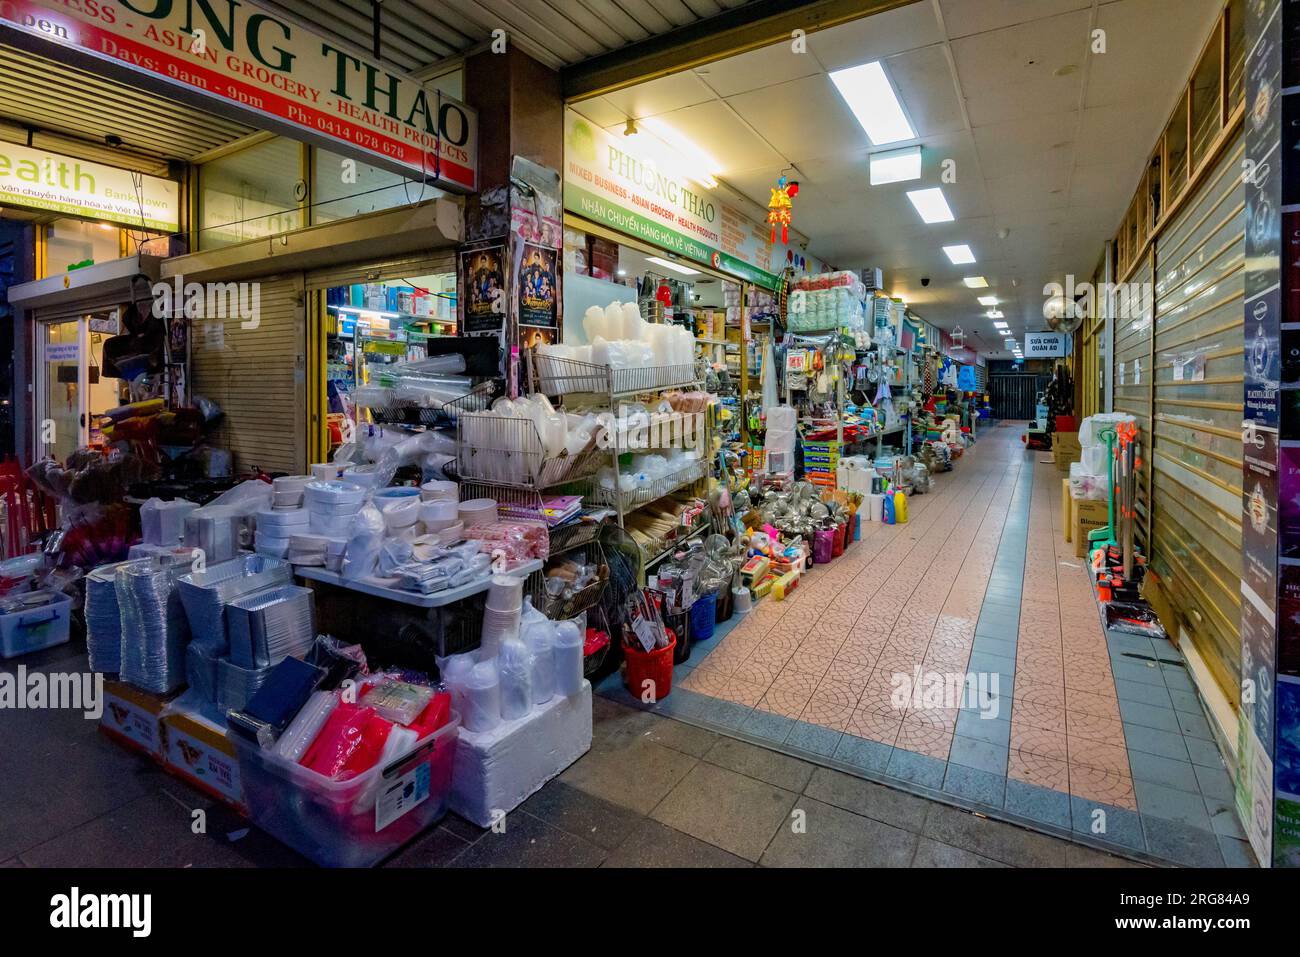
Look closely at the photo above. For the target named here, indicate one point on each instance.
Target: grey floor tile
(1215, 782)
(975, 785)
(467, 831)
(761, 763)
(984, 661)
(833, 837)
(933, 854)
(1102, 822)
(1194, 725)
(581, 814)
(1136, 712)
(1167, 744)
(917, 768)
(972, 724)
(12, 862)
(1038, 803)
(529, 842)
(1223, 817)
(725, 714)
(868, 798)
(1181, 843)
(1147, 673)
(634, 773)
(680, 736)
(994, 839)
(988, 756)
(813, 738)
(1186, 701)
(736, 813)
(1076, 855)
(993, 627)
(682, 703)
(1236, 853)
(653, 844)
(1003, 647)
(1156, 800)
(1144, 692)
(863, 753)
(437, 848)
(768, 726)
(1177, 678)
(1166, 771)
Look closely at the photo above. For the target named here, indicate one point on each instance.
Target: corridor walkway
(1080, 733)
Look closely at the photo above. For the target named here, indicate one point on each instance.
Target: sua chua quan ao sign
(236, 59)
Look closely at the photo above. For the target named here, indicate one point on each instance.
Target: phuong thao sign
(609, 181)
(236, 59)
(39, 179)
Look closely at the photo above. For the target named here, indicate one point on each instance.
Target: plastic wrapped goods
(154, 628)
(515, 667)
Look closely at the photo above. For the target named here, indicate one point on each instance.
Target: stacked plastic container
(331, 506)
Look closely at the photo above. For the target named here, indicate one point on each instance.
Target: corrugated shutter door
(1133, 378)
(256, 375)
(1196, 535)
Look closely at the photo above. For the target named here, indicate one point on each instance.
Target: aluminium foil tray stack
(205, 594)
(270, 625)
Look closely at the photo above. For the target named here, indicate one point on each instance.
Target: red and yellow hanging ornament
(779, 208)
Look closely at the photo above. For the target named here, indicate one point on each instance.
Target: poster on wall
(538, 287)
(483, 290)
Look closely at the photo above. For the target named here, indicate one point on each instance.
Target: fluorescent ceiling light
(895, 166)
(931, 205)
(685, 155)
(669, 264)
(994, 313)
(871, 97)
(988, 300)
(976, 282)
(959, 255)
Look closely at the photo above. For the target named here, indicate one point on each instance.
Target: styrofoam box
(498, 770)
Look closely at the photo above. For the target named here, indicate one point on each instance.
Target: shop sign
(607, 182)
(271, 73)
(38, 179)
(1045, 345)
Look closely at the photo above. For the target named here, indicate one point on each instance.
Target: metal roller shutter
(1133, 360)
(1196, 457)
(257, 376)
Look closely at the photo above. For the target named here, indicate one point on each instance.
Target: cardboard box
(133, 718)
(1088, 516)
(197, 751)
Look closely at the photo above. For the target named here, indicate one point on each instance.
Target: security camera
(925, 280)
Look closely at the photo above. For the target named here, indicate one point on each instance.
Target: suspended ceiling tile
(1011, 73)
(871, 38)
(717, 131)
(758, 69)
(780, 114)
(965, 18)
(601, 112)
(1133, 62)
(1046, 139)
(924, 82)
(661, 96)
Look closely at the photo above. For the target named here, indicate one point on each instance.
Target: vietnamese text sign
(1044, 345)
(39, 179)
(606, 182)
(247, 62)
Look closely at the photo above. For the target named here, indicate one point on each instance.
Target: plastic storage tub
(31, 629)
(353, 823)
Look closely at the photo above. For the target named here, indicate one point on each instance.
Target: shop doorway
(71, 392)
(1013, 397)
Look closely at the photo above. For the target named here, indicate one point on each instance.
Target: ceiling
(1048, 140)
(416, 34)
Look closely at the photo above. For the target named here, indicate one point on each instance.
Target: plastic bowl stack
(400, 507)
(505, 603)
(276, 525)
(439, 490)
(287, 490)
(331, 507)
(478, 511)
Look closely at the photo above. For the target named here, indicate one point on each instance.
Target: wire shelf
(627, 501)
(408, 412)
(501, 450)
(555, 375)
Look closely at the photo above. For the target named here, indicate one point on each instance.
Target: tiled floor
(1100, 736)
(651, 792)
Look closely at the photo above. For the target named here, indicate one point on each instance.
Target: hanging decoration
(780, 208)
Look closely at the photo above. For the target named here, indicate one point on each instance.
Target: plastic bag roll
(568, 659)
(306, 725)
(516, 671)
(482, 698)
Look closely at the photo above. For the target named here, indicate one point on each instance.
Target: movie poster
(538, 289)
(483, 281)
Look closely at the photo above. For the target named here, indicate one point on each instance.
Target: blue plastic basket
(702, 617)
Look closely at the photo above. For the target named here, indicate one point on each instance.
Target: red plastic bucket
(655, 667)
(841, 533)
